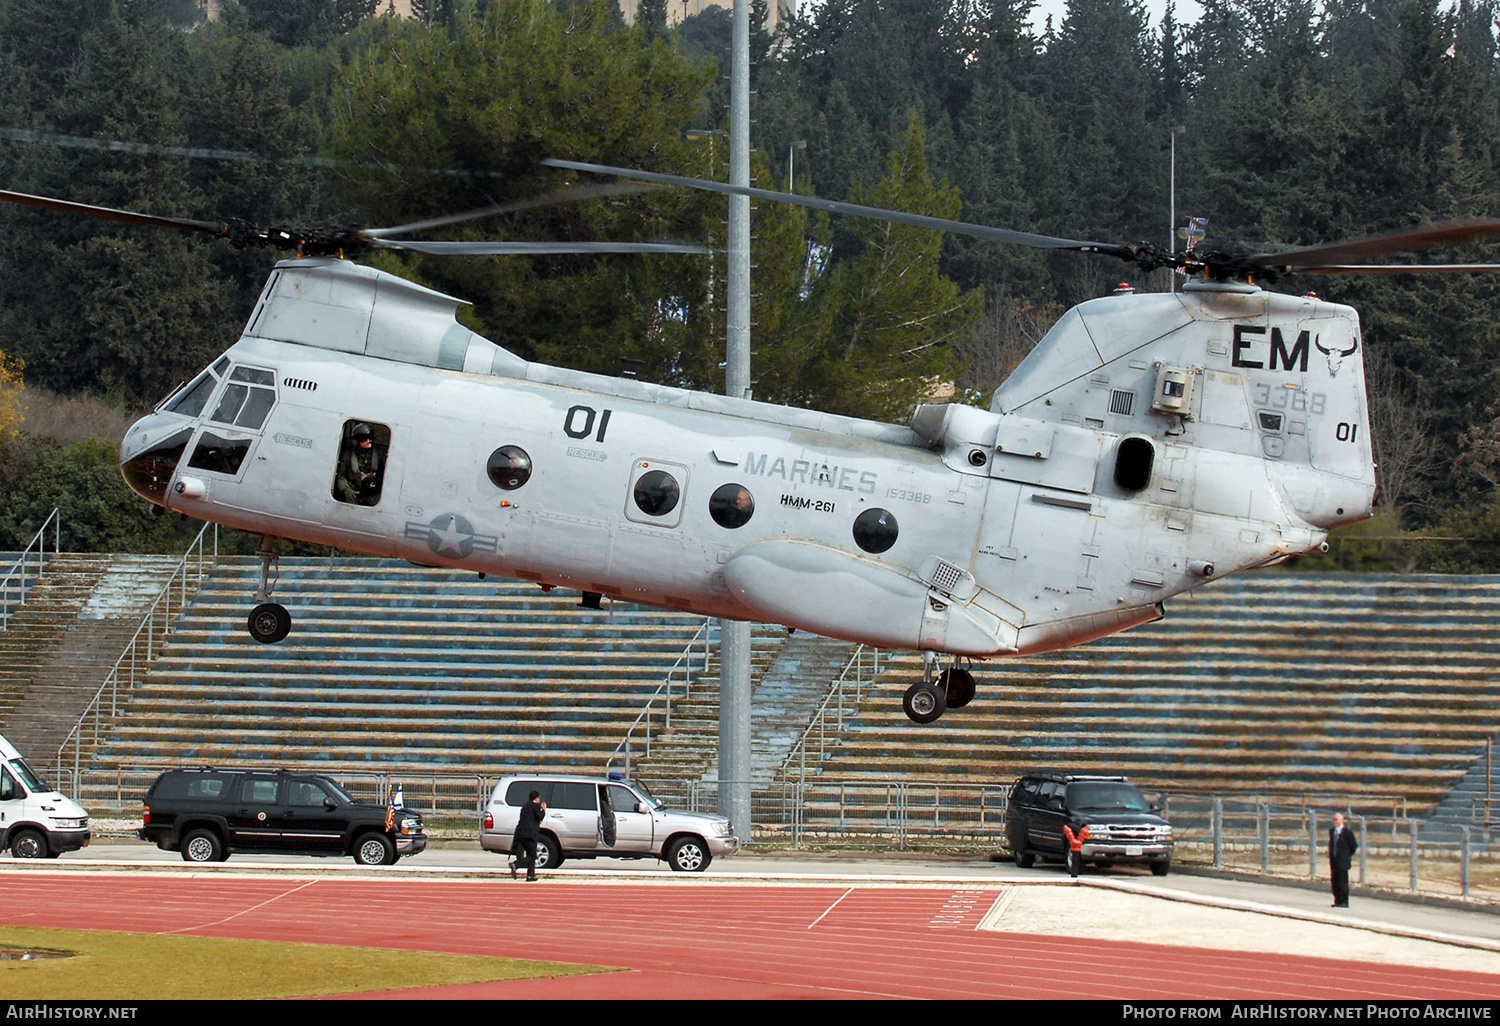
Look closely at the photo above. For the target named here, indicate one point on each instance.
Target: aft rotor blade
(941, 224)
(1406, 239)
(215, 228)
(1396, 268)
(575, 195)
(536, 248)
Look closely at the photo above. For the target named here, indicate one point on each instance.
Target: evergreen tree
(491, 99)
(651, 15)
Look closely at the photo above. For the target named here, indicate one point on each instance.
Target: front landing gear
(269, 621)
(928, 699)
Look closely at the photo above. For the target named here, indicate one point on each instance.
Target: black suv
(208, 813)
(1107, 812)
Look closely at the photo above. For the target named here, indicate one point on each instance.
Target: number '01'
(580, 422)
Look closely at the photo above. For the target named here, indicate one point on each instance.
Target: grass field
(111, 966)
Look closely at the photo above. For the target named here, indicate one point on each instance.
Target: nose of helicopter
(150, 452)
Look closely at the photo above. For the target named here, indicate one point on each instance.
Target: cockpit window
(248, 398)
(191, 400)
(219, 454)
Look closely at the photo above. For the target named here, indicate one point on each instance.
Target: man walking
(528, 829)
(1342, 845)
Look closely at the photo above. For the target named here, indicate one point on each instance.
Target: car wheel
(1074, 863)
(1161, 868)
(1025, 859)
(374, 850)
(28, 844)
(548, 853)
(688, 855)
(203, 846)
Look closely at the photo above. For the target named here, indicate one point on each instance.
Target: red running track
(700, 939)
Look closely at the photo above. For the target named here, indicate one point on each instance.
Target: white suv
(609, 817)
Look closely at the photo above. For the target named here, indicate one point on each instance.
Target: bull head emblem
(1335, 356)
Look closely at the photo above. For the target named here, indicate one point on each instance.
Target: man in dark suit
(528, 829)
(1342, 845)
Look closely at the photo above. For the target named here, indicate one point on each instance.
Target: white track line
(830, 908)
(241, 912)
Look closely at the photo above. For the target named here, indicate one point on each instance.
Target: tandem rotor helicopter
(1148, 444)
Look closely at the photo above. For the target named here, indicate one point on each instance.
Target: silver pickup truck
(608, 817)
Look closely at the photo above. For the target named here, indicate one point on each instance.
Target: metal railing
(1396, 852)
(16, 576)
(149, 636)
(1230, 834)
(833, 705)
(644, 723)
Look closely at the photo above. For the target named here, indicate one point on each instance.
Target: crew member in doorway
(359, 471)
(1342, 845)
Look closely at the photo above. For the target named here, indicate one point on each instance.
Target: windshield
(28, 776)
(337, 791)
(1109, 797)
(645, 793)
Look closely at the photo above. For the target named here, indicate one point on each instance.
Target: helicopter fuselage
(1149, 444)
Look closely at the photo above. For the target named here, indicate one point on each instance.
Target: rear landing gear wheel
(924, 702)
(269, 622)
(958, 686)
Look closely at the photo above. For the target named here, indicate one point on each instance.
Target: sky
(1187, 12)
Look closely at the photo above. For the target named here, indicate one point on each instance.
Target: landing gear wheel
(688, 855)
(958, 685)
(1025, 859)
(269, 622)
(924, 702)
(548, 853)
(28, 844)
(203, 846)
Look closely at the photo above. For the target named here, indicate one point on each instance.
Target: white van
(36, 822)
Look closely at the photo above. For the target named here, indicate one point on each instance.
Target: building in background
(677, 10)
(680, 10)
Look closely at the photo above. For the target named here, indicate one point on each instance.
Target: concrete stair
(392, 666)
(1263, 684)
(688, 750)
(66, 639)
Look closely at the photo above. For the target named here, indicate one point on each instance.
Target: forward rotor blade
(978, 231)
(575, 195)
(1336, 253)
(503, 248)
(215, 228)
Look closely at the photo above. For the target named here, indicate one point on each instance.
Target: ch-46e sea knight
(1149, 443)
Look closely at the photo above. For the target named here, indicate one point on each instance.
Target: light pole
(1172, 211)
(791, 157)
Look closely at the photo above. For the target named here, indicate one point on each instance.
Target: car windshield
(29, 776)
(645, 793)
(1113, 797)
(337, 791)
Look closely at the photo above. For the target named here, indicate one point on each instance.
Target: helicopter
(1148, 444)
